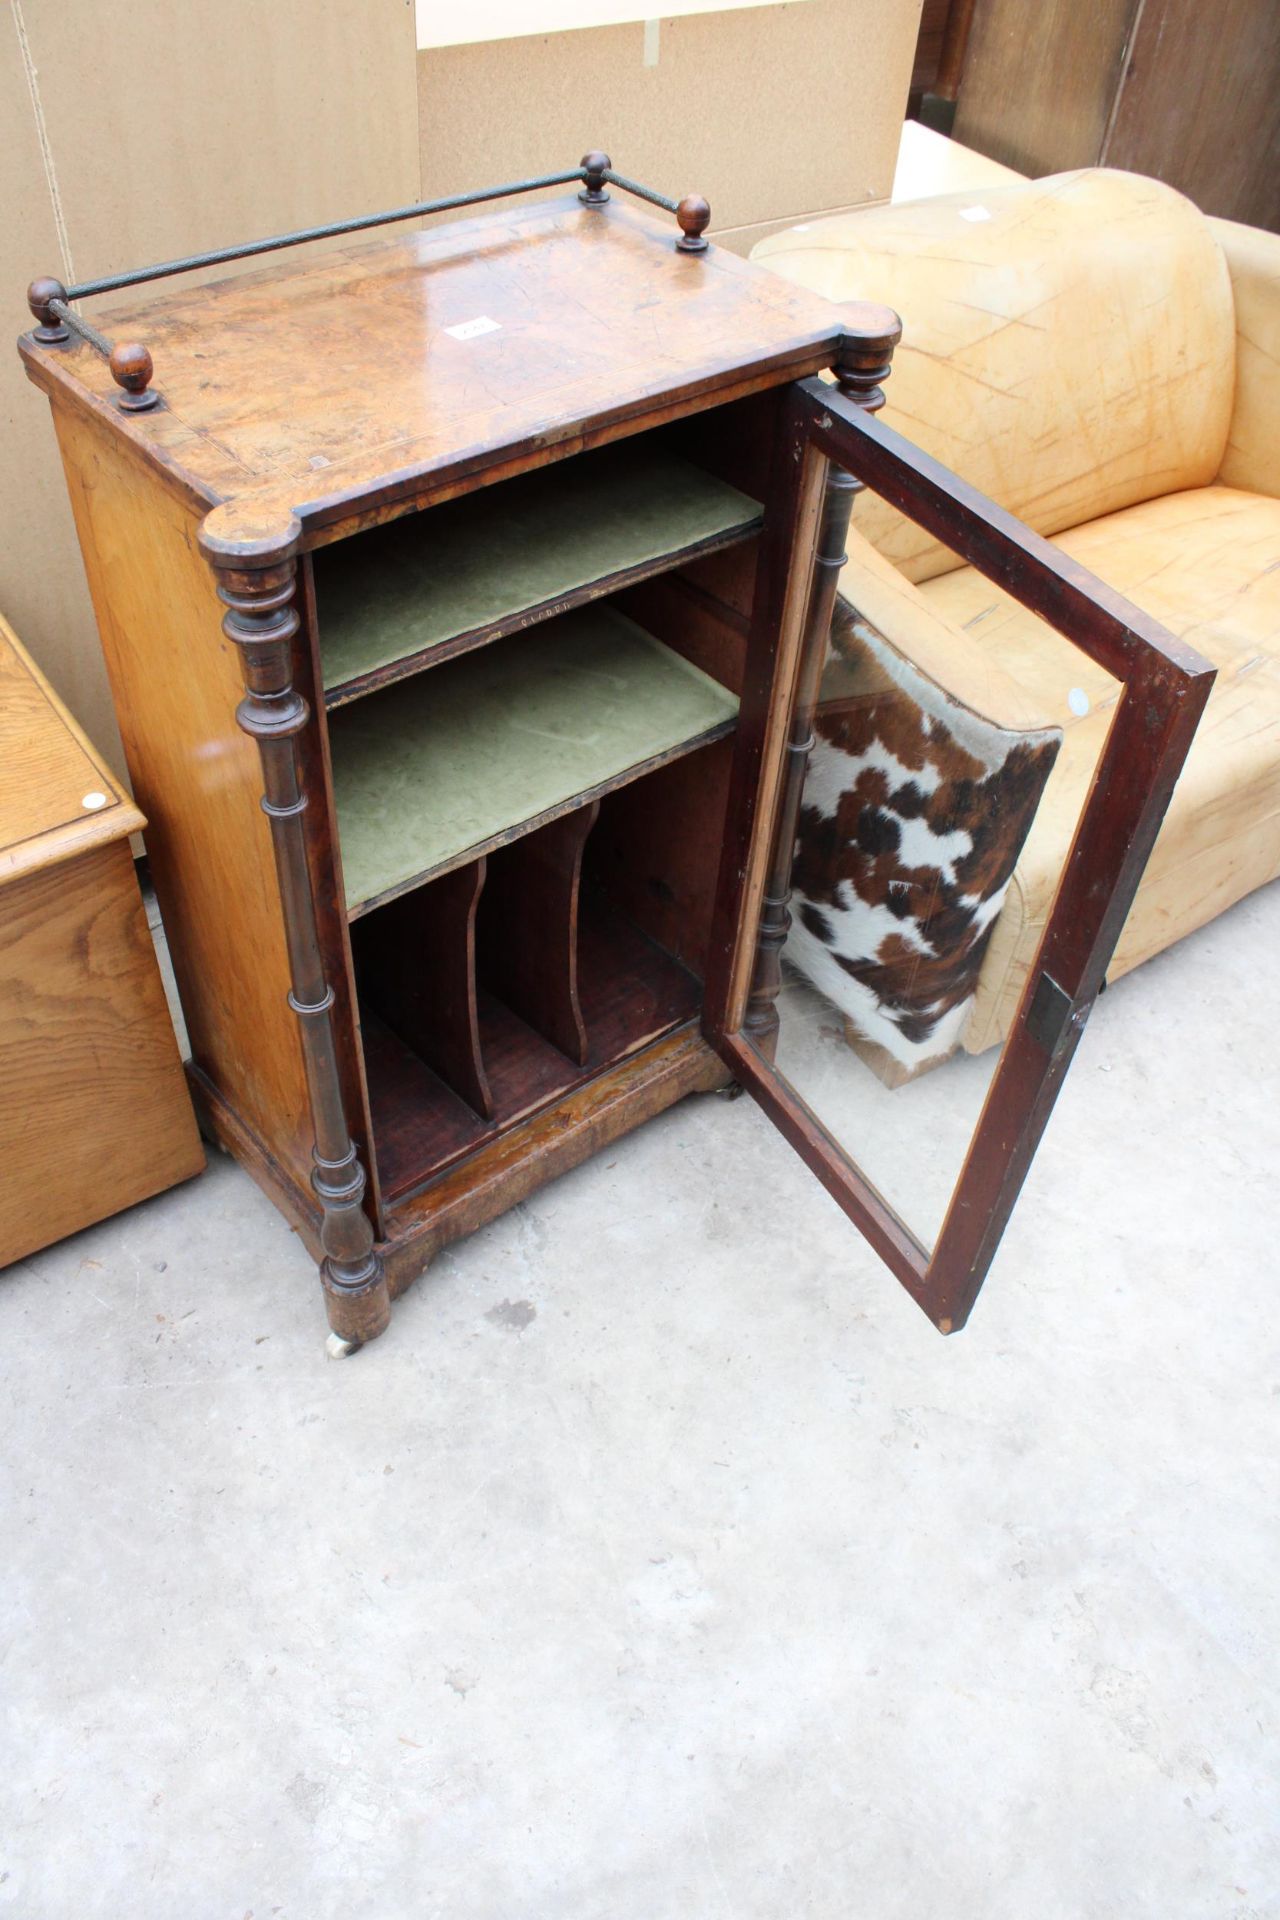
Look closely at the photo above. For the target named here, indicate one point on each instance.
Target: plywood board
(929, 164)
(1039, 82)
(1198, 105)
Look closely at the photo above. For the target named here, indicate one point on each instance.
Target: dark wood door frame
(1165, 685)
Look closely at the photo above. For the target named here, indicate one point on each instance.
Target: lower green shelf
(475, 752)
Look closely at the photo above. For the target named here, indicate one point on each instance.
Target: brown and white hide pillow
(914, 813)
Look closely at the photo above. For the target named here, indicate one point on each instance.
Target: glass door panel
(955, 827)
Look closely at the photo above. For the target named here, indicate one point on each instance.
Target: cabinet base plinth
(496, 1177)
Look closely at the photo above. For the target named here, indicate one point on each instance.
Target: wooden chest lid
(380, 369)
(57, 798)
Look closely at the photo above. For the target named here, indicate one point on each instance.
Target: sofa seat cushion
(1206, 563)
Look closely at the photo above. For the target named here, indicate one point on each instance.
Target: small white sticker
(471, 329)
(975, 213)
(1078, 701)
(92, 801)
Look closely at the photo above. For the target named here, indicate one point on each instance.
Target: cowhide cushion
(914, 813)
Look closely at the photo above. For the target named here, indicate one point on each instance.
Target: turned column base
(356, 1315)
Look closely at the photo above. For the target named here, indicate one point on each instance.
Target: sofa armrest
(928, 765)
(1252, 459)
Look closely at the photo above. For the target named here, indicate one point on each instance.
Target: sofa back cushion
(1068, 343)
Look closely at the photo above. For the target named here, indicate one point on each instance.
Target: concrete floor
(662, 1562)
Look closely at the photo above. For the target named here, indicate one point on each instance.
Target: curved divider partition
(498, 987)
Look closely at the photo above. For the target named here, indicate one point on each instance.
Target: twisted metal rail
(131, 364)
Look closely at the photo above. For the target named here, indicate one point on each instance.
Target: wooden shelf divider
(443, 769)
(423, 589)
(527, 948)
(631, 993)
(417, 966)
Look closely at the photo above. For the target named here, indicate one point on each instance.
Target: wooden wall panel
(1039, 81)
(1178, 89)
(1198, 107)
(183, 127)
(773, 112)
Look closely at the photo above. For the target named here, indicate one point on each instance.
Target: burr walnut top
(353, 385)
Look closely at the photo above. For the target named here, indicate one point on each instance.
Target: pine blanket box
(94, 1110)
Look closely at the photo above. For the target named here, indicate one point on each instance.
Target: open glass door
(890, 810)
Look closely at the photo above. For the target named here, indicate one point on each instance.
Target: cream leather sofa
(1102, 360)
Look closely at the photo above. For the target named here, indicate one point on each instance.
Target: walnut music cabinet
(464, 597)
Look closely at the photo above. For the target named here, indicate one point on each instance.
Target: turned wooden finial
(50, 330)
(863, 360)
(694, 215)
(594, 193)
(132, 368)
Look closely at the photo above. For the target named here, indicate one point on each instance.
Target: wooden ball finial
(49, 329)
(132, 368)
(864, 359)
(595, 164)
(694, 216)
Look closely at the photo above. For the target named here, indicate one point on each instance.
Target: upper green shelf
(479, 751)
(510, 554)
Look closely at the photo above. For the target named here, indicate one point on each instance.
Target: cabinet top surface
(57, 798)
(319, 388)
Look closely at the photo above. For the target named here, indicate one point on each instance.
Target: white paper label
(471, 329)
(975, 213)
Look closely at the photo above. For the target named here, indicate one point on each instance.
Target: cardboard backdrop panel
(772, 112)
(443, 23)
(200, 125)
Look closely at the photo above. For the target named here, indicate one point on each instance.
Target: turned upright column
(256, 574)
(861, 365)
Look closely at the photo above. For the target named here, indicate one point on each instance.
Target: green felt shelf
(513, 553)
(458, 761)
